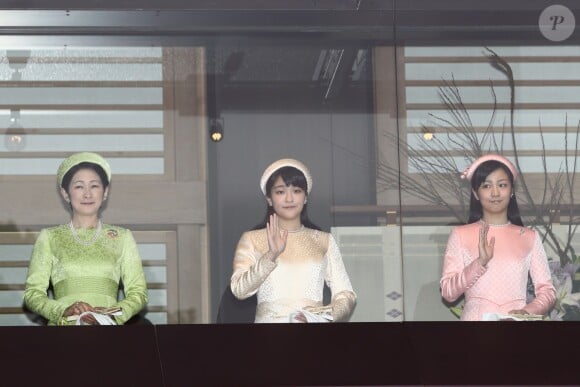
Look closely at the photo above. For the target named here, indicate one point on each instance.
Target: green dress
(91, 274)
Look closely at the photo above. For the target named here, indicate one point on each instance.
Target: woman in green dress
(85, 260)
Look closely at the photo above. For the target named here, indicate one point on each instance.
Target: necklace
(496, 225)
(90, 241)
(297, 230)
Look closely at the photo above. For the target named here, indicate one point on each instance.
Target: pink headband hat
(285, 163)
(469, 171)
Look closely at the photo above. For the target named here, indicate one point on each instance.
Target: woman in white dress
(287, 259)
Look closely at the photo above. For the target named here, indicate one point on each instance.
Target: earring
(305, 201)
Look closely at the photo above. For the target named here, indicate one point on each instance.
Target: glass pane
(385, 102)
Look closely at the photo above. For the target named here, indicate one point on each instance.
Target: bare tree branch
(433, 172)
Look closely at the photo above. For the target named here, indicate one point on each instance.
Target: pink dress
(501, 286)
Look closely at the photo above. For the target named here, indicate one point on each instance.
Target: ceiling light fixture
(216, 129)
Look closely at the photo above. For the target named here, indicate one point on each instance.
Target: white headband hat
(286, 163)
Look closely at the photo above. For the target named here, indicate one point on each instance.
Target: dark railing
(454, 353)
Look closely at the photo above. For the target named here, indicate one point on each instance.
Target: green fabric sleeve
(38, 280)
(133, 279)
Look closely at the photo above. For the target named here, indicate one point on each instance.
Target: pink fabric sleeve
(251, 269)
(542, 279)
(458, 277)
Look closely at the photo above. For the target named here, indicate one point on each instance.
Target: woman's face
(85, 192)
(494, 192)
(287, 201)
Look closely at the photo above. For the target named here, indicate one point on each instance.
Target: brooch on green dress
(113, 234)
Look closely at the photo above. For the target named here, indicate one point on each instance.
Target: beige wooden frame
(391, 115)
(174, 203)
(166, 237)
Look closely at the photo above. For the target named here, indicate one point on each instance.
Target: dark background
(509, 353)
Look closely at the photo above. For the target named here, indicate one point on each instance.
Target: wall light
(428, 133)
(216, 129)
(15, 135)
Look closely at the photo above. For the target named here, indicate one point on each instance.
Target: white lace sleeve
(251, 269)
(343, 295)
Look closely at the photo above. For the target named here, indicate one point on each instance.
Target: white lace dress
(296, 280)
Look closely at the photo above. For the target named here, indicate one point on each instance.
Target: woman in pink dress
(489, 259)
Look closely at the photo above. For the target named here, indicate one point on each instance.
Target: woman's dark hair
(84, 165)
(479, 176)
(291, 176)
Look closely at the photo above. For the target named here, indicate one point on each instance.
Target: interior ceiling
(195, 4)
(303, 77)
(300, 76)
(265, 54)
(303, 57)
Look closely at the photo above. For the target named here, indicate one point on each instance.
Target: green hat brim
(82, 157)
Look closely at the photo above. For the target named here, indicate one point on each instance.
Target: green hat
(83, 157)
